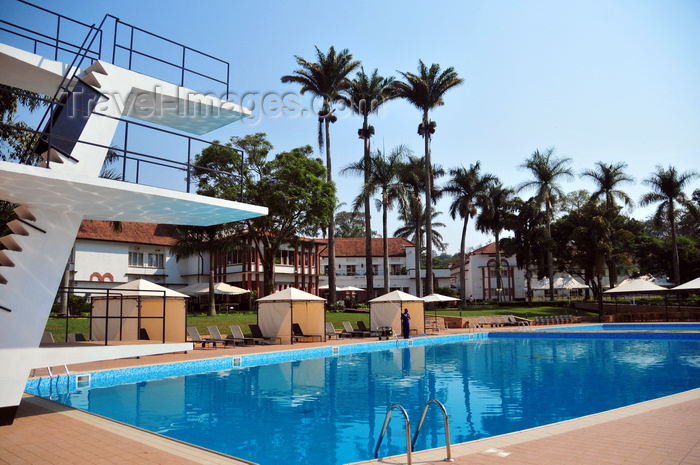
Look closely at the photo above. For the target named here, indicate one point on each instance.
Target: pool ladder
(410, 444)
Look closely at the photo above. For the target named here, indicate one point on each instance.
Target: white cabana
(386, 310)
(136, 306)
(277, 312)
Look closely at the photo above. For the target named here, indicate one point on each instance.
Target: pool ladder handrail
(409, 443)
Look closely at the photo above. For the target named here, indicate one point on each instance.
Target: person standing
(405, 324)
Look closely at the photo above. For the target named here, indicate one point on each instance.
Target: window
(375, 270)
(350, 270)
(135, 258)
(155, 260)
(234, 258)
(395, 269)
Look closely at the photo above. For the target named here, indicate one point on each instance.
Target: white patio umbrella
(350, 289)
(634, 286)
(693, 285)
(219, 288)
(439, 298)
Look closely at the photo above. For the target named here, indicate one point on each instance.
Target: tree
(209, 241)
(326, 79)
(466, 186)
(607, 178)
(425, 91)
(15, 138)
(349, 224)
(529, 236)
(496, 207)
(667, 188)
(411, 227)
(383, 179)
(547, 169)
(366, 94)
(299, 199)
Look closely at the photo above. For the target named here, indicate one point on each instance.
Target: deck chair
(331, 332)
(349, 331)
(298, 334)
(76, 338)
(257, 333)
(515, 322)
(491, 323)
(238, 336)
(361, 327)
(195, 337)
(215, 335)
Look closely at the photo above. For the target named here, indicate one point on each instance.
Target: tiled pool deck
(661, 431)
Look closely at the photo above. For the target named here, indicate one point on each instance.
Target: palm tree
(411, 175)
(205, 240)
(547, 169)
(529, 235)
(667, 187)
(366, 94)
(496, 209)
(326, 79)
(384, 178)
(466, 186)
(607, 177)
(425, 91)
(411, 226)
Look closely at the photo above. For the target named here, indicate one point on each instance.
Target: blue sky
(613, 81)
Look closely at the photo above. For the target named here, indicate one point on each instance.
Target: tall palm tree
(383, 179)
(366, 94)
(411, 174)
(327, 78)
(425, 91)
(466, 186)
(547, 169)
(496, 209)
(667, 187)
(411, 227)
(527, 224)
(607, 177)
(206, 240)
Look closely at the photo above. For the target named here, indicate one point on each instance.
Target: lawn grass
(57, 326)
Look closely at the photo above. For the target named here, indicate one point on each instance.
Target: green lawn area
(82, 325)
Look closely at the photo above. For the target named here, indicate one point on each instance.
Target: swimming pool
(330, 410)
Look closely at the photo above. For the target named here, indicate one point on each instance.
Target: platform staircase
(63, 123)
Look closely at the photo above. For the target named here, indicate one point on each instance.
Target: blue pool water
(629, 327)
(330, 410)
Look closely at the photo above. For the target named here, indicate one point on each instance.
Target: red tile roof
(355, 247)
(141, 233)
(489, 249)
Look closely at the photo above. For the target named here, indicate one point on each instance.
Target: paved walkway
(661, 431)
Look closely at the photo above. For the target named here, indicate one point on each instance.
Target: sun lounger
(257, 333)
(238, 336)
(331, 332)
(361, 326)
(515, 322)
(195, 337)
(491, 323)
(216, 335)
(298, 334)
(349, 331)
